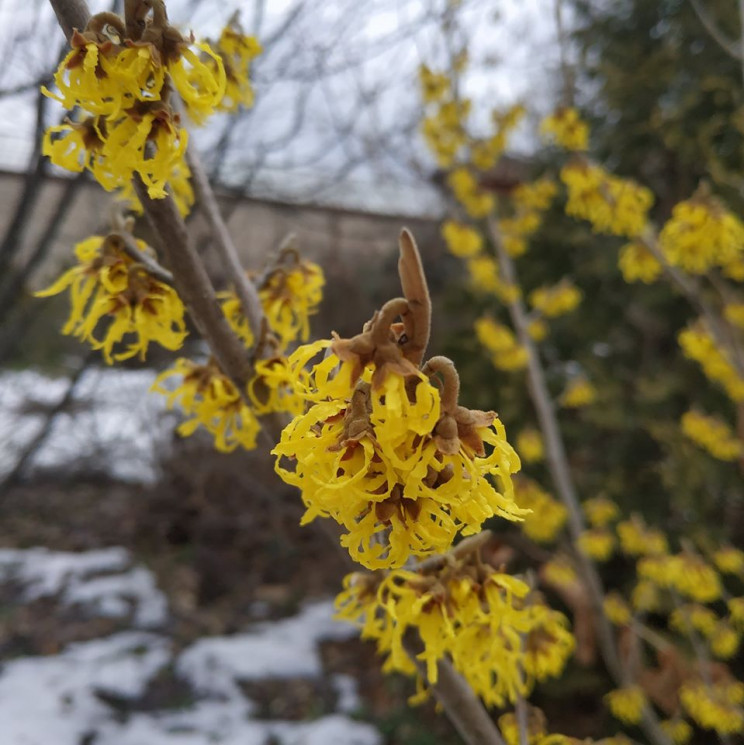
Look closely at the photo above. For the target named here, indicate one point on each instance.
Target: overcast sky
(336, 96)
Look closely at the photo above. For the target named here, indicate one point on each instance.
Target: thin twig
(224, 245)
(32, 448)
(152, 266)
(189, 274)
(194, 285)
(691, 291)
(560, 472)
(463, 708)
(728, 45)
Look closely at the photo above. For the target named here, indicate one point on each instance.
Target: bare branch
(463, 708)
(224, 245)
(728, 45)
(560, 473)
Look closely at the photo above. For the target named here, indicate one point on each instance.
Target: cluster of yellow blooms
(537, 733)
(469, 192)
(110, 287)
(500, 637)
(611, 204)
(237, 52)
(718, 706)
(636, 539)
(638, 264)
(547, 516)
(462, 240)
(701, 235)
(597, 543)
(712, 434)
(557, 300)
(290, 293)
(213, 401)
(567, 128)
(697, 343)
(627, 704)
(530, 445)
(120, 76)
(600, 511)
(529, 201)
(506, 352)
(380, 450)
(578, 393)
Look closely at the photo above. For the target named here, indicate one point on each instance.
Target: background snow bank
(70, 697)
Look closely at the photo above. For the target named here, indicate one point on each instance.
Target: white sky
(337, 99)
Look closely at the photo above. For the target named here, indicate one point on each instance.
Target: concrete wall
(357, 250)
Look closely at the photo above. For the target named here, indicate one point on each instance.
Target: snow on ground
(114, 423)
(65, 698)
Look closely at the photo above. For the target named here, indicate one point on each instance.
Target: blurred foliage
(666, 109)
(664, 99)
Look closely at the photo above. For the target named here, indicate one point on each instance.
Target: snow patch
(47, 700)
(283, 649)
(77, 580)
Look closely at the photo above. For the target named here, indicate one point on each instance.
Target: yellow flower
(645, 597)
(462, 240)
(637, 263)
(105, 78)
(557, 300)
(559, 572)
(717, 706)
(179, 187)
(597, 543)
(736, 609)
(500, 642)
(237, 51)
(678, 730)
(616, 609)
(700, 235)
(444, 132)
(434, 85)
(724, 641)
(468, 192)
(687, 573)
(611, 204)
(696, 579)
(627, 704)
(713, 435)
(698, 345)
(213, 401)
(547, 516)
(530, 445)
(537, 329)
(494, 336)
(290, 294)
(507, 353)
(201, 85)
(567, 128)
(536, 195)
(638, 540)
(272, 388)
(729, 560)
(734, 313)
(579, 392)
(698, 617)
(109, 286)
(600, 511)
(232, 309)
(372, 455)
(125, 152)
(484, 275)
